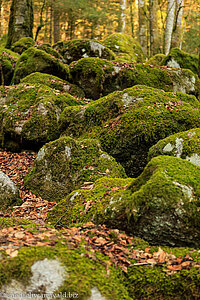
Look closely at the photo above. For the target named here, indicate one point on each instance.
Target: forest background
(148, 21)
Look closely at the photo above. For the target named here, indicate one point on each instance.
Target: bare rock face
(21, 21)
(8, 191)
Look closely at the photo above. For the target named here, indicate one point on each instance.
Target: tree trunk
(123, 15)
(20, 21)
(153, 22)
(199, 65)
(169, 25)
(1, 19)
(51, 24)
(142, 25)
(177, 32)
(56, 25)
(131, 17)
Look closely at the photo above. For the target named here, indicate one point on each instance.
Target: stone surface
(8, 191)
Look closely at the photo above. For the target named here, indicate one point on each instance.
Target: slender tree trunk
(56, 25)
(131, 16)
(46, 23)
(51, 24)
(1, 18)
(199, 64)
(153, 22)
(123, 15)
(177, 32)
(142, 25)
(20, 21)
(169, 25)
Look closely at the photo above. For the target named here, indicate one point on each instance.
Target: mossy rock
(90, 73)
(128, 123)
(156, 60)
(180, 59)
(34, 60)
(8, 60)
(29, 115)
(125, 47)
(22, 45)
(9, 194)
(65, 164)
(48, 49)
(54, 83)
(71, 210)
(61, 271)
(79, 48)
(185, 145)
(161, 205)
(99, 77)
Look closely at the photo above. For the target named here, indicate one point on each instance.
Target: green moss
(48, 49)
(128, 123)
(8, 60)
(55, 83)
(184, 144)
(29, 117)
(156, 59)
(152, 283)
(125, 47)
(183, 59)
(72, 209)
(34, 60)
(90, 73)
(65, 164)
(76, 49)
(12, 222)
(98, 78)
(22, 45)
(83, 273)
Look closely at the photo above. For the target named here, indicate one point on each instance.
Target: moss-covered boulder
(161, 205)
(29, 115)
(156, 60)
(125, 47)
(62, 272)
(34, 60)
(65, 164)
(48, 49)
(79, 48)
(22, 45)
(98, 77)
(54, 83)
(180, 59)
(9, 194)
(8, 60)
(185, 145)
(128, 123)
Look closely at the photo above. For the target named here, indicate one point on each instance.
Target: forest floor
(119, 247)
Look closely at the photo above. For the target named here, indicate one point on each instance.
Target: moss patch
(125, 47)
(65, 164)
(8, 60)
(156, 59)
(178, 58)
(79, 48)
(22, 45)
(34, 60)
(128, 123)
(82, 273)
(185, 145)
(54, 82)
(29, 115)
(72, 210)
